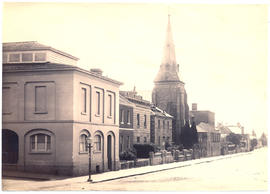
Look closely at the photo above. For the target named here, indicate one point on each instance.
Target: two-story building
(208, 136)
(161, 127)
(141, 117)
(125, 124)
(51, 107)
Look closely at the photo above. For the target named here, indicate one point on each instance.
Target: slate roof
(235, 129)
(205, 127)
(32, 46)
(124, 101)
(224, 130)
(159, 112)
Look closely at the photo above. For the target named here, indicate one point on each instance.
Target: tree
(194, 133)
(264, 140)
(185, 136)
(253, 143)
(234, 138)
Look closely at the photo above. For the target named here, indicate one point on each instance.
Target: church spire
(169, 52)
(169, 68)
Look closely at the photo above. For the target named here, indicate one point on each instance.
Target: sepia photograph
(135, 96)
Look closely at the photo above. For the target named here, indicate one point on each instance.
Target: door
(10, 147)
(109, 151)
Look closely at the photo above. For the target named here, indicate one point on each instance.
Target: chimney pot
(194, 106)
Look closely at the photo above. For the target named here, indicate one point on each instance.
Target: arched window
(40, 142)
(97, 143)
(83, 143)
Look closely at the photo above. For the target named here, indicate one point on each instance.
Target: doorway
(10, 147)
(109, 151)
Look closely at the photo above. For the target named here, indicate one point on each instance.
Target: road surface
(239, 173)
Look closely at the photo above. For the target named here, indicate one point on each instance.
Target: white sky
(221, 49)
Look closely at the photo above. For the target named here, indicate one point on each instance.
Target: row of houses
(51, 106)
(213, 139)
(140, 122)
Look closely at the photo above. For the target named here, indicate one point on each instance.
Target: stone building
(209, 140)
(50, 108)
(125, 124)
(141, 117)
(169, 92)
(161, 127)
(202, 115)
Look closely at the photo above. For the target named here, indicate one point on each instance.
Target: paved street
(245, 172)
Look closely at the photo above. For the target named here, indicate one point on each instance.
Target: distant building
(226, 130)
(208, 136)
(202, 116)
(141, 117)
(161, 127)
(126, 129)
(209, 140)
(51, 107)
(169, 92)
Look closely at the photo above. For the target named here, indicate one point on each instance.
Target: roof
(124, 101)
(235, 129)
(224, 129)
(159, 112)
(205, 127)
(32, 46)
(133, 97)
(25, 67)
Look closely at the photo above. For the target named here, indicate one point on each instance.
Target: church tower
(169, 92)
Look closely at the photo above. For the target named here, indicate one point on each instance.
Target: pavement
(113, 175)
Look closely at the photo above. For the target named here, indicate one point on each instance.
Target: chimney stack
(194, 106)
(97, 71)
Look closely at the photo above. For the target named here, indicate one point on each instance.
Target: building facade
(51, 107)
(161, 127)
(202, 115)
(169, 92)
(208, 137)
(125, 124)
(141, 117)
(209, 140)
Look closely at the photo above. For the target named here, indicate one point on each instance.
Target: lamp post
(89, 142)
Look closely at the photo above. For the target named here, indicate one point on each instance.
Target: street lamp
(89, 142)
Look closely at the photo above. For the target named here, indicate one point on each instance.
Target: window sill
(122, 123)
(96, 152)
(40, 112)
(128, 123)
(83, 113)
(40, 152)
(109, 117)
(84, 152)
(7, 113)
(97, 115)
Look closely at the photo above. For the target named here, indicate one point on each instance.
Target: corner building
(169, 92)
(50, 107)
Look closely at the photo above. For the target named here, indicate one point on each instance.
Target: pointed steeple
(169, 68)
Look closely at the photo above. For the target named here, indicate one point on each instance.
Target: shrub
(128, 155)
(144, 149)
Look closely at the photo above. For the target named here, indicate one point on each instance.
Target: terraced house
(141, 117)
(125, 124)
(161, 127)
(50, 108)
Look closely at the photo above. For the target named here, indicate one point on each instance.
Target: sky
(221, 49)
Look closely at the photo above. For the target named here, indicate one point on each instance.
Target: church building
(169, 92)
